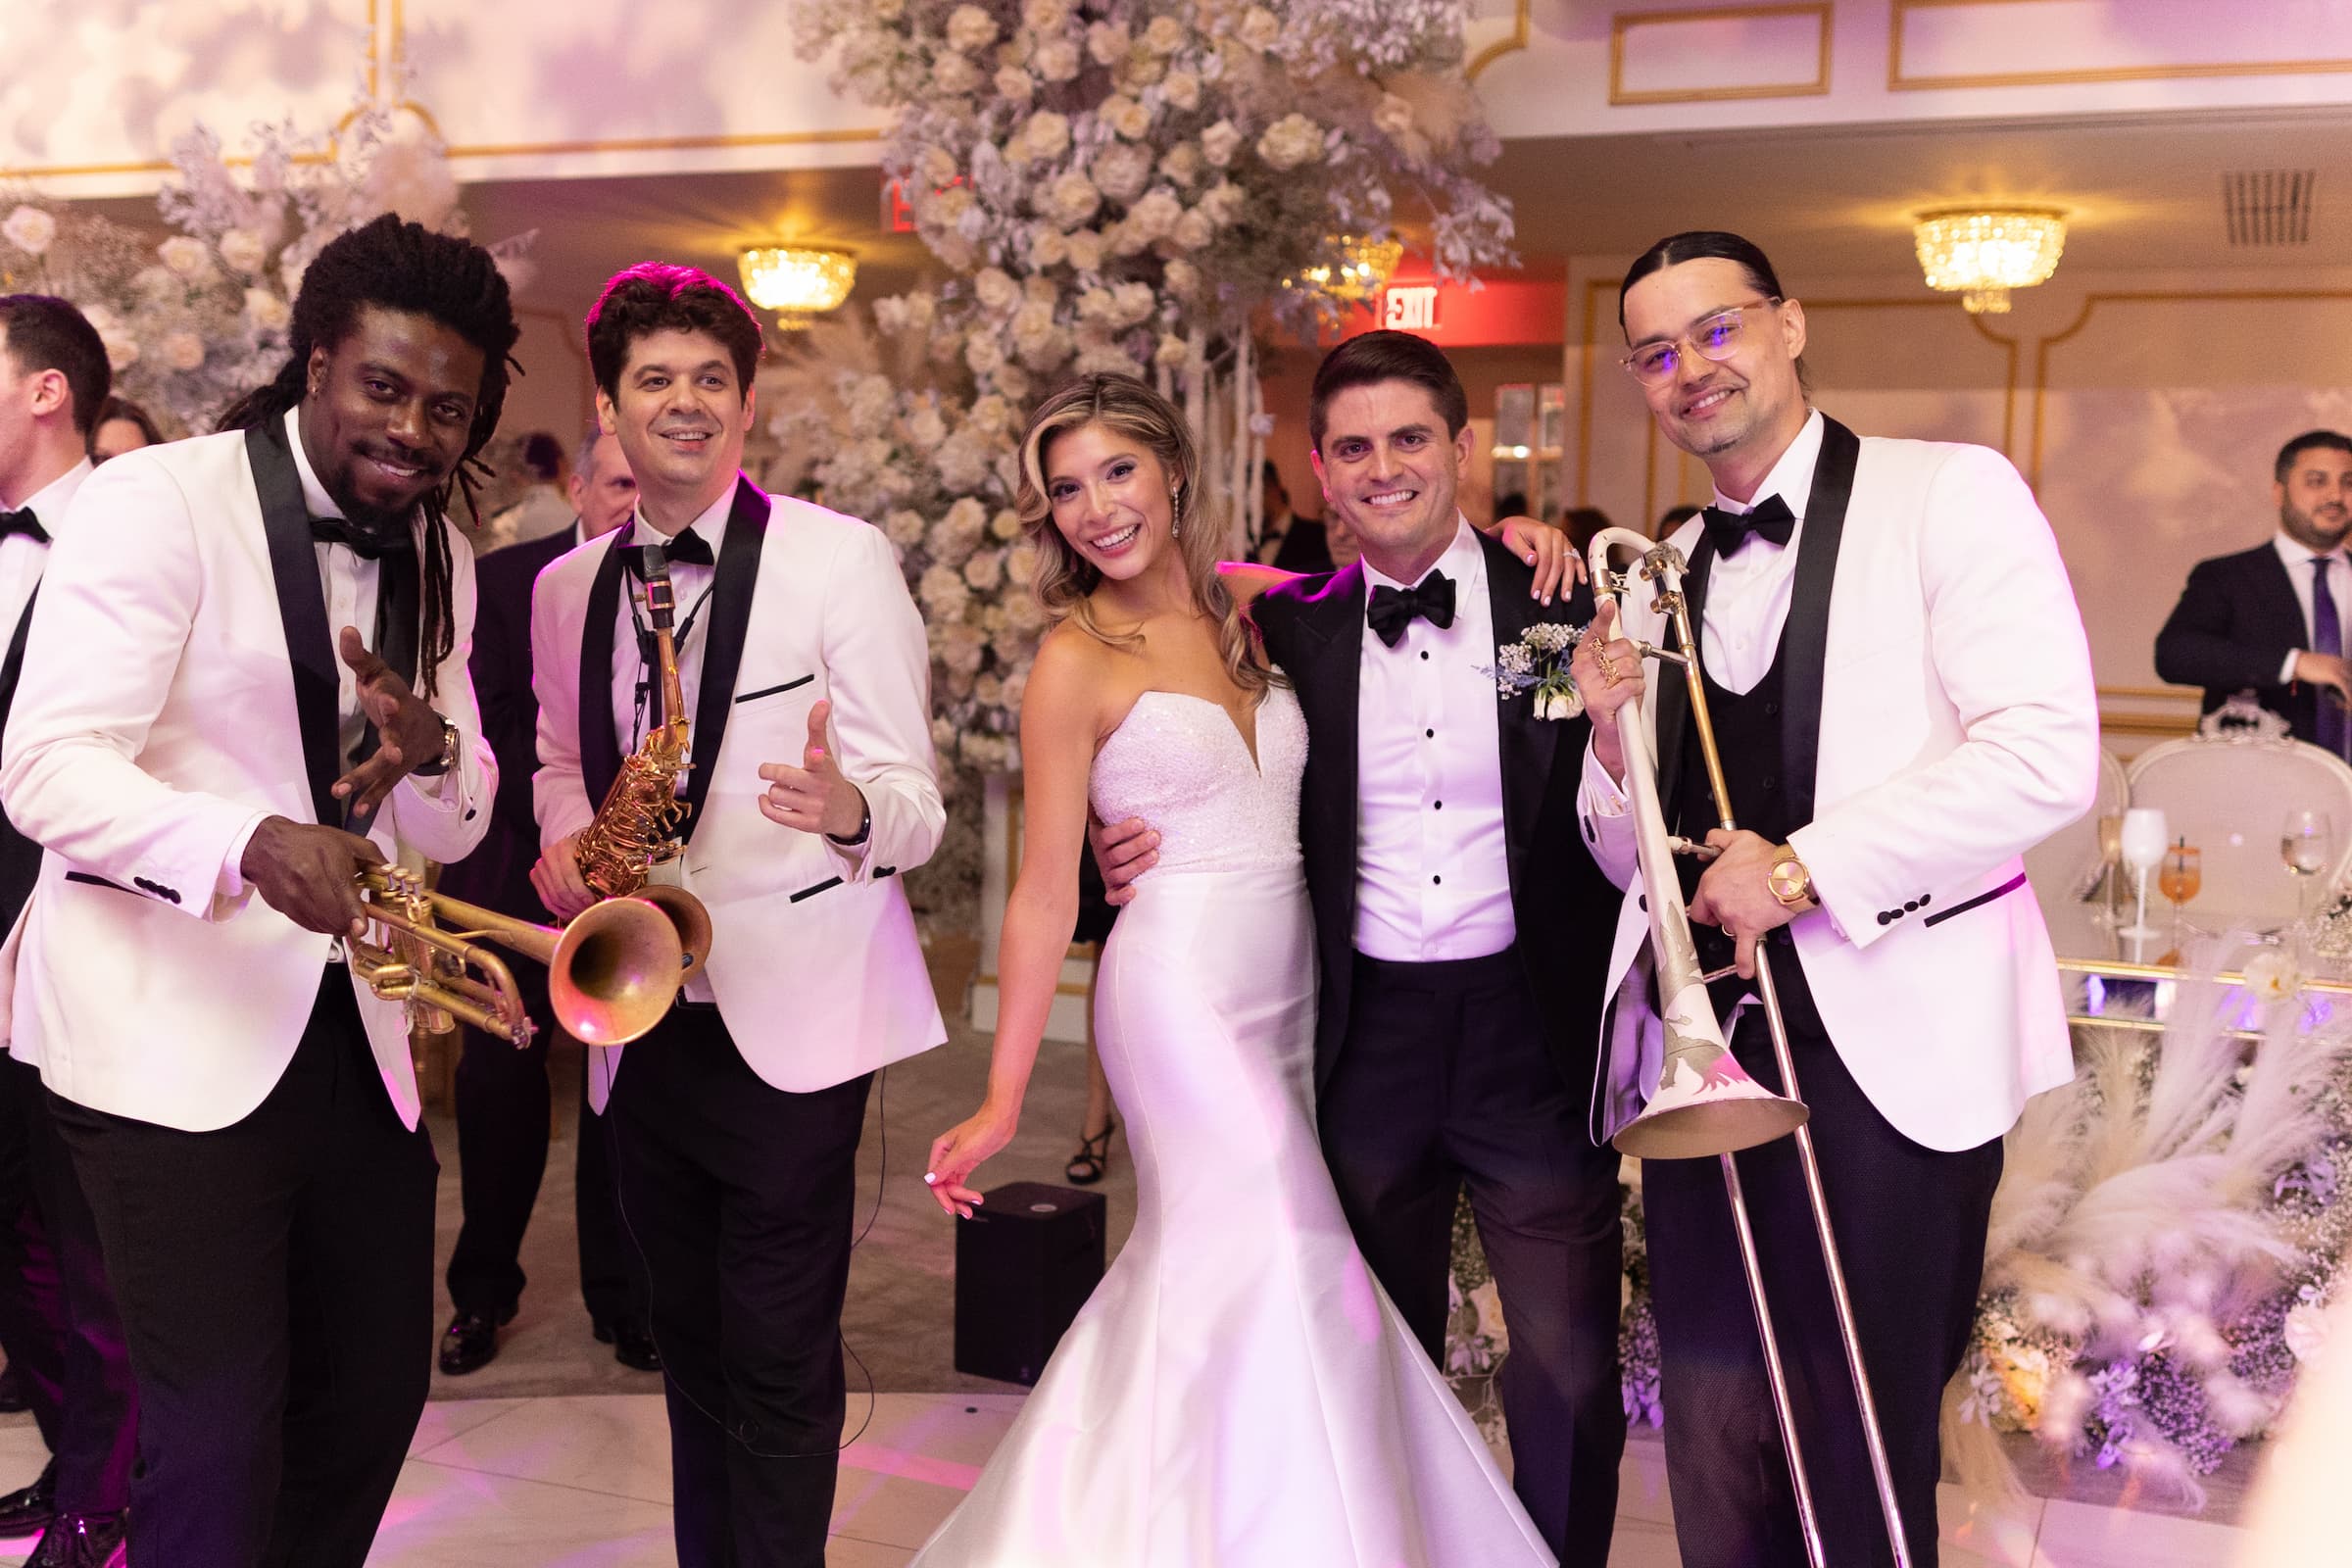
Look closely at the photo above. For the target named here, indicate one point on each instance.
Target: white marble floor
(585, 1482)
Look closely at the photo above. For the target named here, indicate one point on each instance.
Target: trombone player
(1901, 687)
(245, 683)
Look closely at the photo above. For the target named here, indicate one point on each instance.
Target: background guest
(1673, 517)
(122, 427)
(1582, 523)
(2272, 620)
(545, 506)
(1286, 539)
(502, 1096)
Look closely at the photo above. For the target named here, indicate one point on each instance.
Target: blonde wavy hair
(1066, 580)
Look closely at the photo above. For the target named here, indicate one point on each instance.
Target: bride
(1239, 1391)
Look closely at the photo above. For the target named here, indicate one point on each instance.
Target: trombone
(612, 972)
(1705, 1103)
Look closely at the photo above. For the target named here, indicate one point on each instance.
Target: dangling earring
(1176, 506)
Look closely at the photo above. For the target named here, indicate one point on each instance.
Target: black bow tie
(22, 521)
(1393, 608)
(688, 546)
(1770, 520)
(360, 542)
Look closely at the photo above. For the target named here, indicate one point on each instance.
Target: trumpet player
(1898, 679)
(804, 675)
(245, 681)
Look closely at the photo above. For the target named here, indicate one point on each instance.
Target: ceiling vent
(2268, 206)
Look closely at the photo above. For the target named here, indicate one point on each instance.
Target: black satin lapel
(600, 748)
(736, 582)
(1805, 641)
(398, 610)
(1326, 670)
(1525, 742)
(1674, 689)
(301, 607)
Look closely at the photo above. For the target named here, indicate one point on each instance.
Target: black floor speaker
(1025, 1263)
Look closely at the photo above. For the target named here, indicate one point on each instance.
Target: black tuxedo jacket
(1564, 907)
(498, 876)
(2237, 621)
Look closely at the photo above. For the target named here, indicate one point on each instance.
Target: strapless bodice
(1178, 763)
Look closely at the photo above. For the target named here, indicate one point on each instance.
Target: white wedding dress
(1239, 1393)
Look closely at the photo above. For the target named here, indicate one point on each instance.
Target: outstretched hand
(959, 1151)
(814, 797)
(408, 730)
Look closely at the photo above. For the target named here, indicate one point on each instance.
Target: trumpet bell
(1706, 1109)
(687, 918)
(615, 970)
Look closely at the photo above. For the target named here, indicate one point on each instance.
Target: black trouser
(79, 1376)
(740, 1197)
(275, 1278)
(1910, 1226)
(1443, 1078)
(504, 1110)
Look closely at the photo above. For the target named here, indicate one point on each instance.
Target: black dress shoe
(632, 1347)
(81, 1540)
(30, 1509)
(471, 1343)
(11, 1392)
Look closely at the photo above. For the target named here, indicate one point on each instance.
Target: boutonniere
(1538, 663)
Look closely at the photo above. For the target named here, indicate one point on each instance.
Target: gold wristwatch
(1789, 881)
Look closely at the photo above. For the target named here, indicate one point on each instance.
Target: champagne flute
(2307, 846)
(2143, 842)
(2180, 879)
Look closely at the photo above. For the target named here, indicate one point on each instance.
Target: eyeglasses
(1715, 338)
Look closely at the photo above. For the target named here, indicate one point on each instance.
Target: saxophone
(636, 828)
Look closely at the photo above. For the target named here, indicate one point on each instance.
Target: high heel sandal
(1093, 1159)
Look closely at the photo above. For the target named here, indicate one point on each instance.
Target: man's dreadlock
(406, 268)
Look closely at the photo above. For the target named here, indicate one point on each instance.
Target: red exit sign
(1501, 311)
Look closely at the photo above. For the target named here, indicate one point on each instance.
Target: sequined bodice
(1178, 763)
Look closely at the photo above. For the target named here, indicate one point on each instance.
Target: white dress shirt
(24, 558)
(1749, 590)
(1433, 873)
(2297, 559)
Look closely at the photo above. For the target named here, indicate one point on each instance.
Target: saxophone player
(805, 676)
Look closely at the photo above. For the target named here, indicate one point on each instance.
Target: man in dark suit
(1461, 930)
(1286, 540)
(2272, 620)
(503, 1103)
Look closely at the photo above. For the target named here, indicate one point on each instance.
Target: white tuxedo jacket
(168, 689)
(815, 961)
(1958, 727)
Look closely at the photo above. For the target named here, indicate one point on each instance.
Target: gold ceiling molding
(1621, 25)
(2092, 302)
(1899, 79)
(1503, 46)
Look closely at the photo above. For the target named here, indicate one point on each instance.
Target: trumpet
(612, 972)
(1705, 1103)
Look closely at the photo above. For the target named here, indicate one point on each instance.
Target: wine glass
(2307, 846)
(2143, 840)
(2179, 877)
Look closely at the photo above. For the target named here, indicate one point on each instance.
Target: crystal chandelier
(797, 282)
(1363, 265)
(1981, 255)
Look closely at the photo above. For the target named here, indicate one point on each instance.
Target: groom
(1460, 932)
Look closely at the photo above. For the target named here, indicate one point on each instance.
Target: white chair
(2227, 794)
(2062, 865)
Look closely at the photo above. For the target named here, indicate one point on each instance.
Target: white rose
(1122, 170)
(1290, 142)
(2271, 975)
(984, 354)
(961, 461)
(185, 256)
(1045, 137)
(1165, 35)
(1393, 117)
(1072, 199)
(1056, 60)
(1219, 142)
(871, 401)
(122, 350)
(943, 209)
(1048, 247)
(1046, 15)
(1260, 29)
(266, 311)
(955, 74)
(1193, 230)
(996, 289)
(886, 10)
(936, 167)
(30, 229)
(1224, 202)
(1182, 277)
(926, 429)
(941, 589)
(1086, 250)
(1182, 90)
(243, 249)
(992, 414)
(1021, 563)
(1107, 42)
(184, 351)
(1154, 216)
(985, 570)
(1015, 86)
(904, 529)
(1127, 117)
(1014, 382)
(1134, 302)
(1005, 526)
(1099, 306)
(970, 28)
(1170, 350)
(1033, 332)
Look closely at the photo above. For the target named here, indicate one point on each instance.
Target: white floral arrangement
(1111, 185)
(1538, 663)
